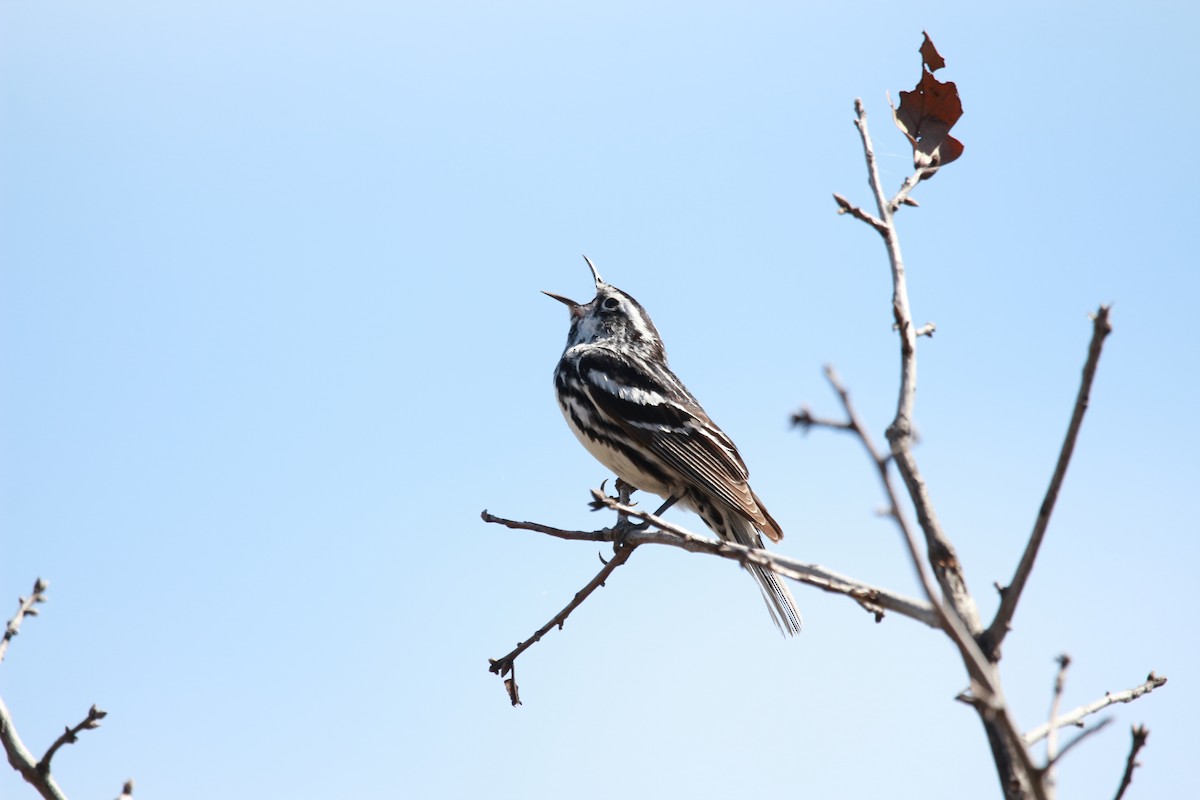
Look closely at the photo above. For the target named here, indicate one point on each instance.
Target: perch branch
(872, 598)
(1075, 716)
(1011, 595)
(1140, 734)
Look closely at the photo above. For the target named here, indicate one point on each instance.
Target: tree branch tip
(1100, 317)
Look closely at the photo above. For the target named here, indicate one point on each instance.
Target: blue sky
(271, 338)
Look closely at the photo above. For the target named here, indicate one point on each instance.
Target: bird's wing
(652, 406)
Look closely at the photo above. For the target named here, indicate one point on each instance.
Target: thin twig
(805, 420)
(846, 207)
(901, 198)
(1140, 734)
(70, 736)
(1099, 726)
(25, 608)
(503, 665)
(1060, 681)
(1010, 596)
(1075, 716)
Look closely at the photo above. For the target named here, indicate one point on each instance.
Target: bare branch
(23, 761)
(955, 605)
(1075, 716)
(622, 550)
(503, 665)
(846, 207)
(940, 553)
(37, 773)
(25, 608)
(872, 598)
(981, 672)
(1140, 734)
(15, 750)
(901, 198)
(806, 421)
(1060, 680)
(70, 736)
(1099, 726)
(1010, 596)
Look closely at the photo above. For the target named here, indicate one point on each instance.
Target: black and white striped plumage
(629, 410)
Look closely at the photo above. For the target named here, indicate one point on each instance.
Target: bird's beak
(576, 309)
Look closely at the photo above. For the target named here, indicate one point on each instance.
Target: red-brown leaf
(928, 112)
(930, 57)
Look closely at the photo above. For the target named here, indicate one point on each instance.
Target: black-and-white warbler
(628, 409)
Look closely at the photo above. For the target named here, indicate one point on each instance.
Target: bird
(630, 411)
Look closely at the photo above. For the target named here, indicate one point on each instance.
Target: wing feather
(652, 406)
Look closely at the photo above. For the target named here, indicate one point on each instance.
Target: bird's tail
(779, 600)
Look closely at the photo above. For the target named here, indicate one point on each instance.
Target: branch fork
(37, 772)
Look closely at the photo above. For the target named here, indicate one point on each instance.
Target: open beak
(576, 308)
(560, 298)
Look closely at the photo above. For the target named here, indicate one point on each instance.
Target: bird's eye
(610, 303)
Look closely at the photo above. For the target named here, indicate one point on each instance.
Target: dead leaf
(930, 57)
(928, 112)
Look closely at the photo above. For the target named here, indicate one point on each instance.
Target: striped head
(613, 318)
